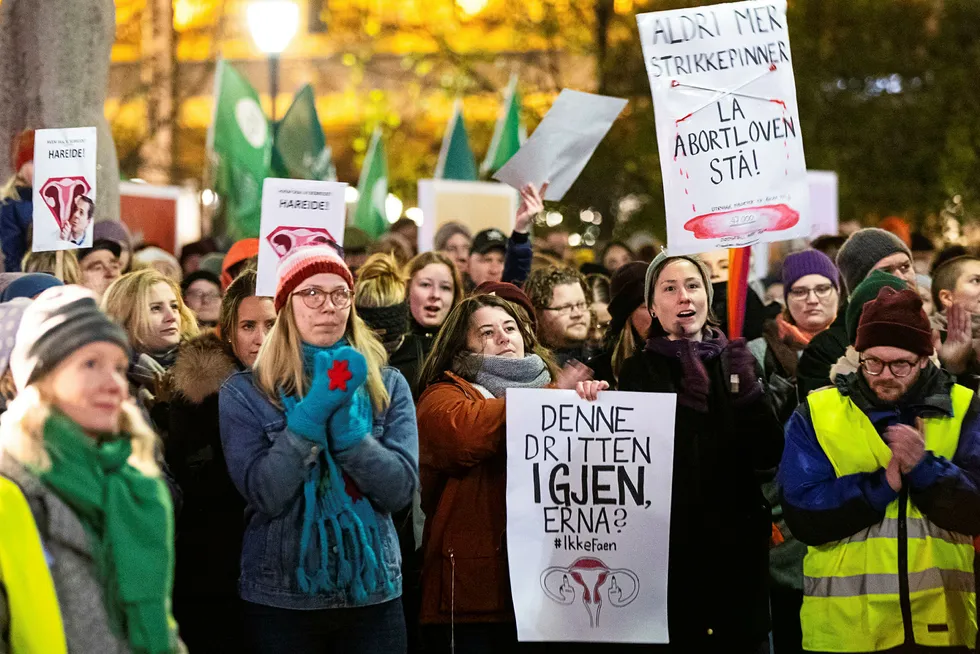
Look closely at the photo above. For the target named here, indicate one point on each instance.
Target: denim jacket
(268, 464)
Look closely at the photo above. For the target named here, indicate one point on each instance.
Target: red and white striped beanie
(304, 262)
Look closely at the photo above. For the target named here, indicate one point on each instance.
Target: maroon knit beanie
(895, 319)
(510, 293)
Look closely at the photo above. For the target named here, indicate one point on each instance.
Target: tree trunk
(54, 72)
(159, 68)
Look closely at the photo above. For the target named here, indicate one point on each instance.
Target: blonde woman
(47, 262)
(150, 308)
(86, 561)
(320, 440)
(379, 296)
(434, 289)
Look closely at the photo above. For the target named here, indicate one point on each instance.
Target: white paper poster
(296, 213)
(64, 188)
(728, 127)
(588, 514)
(824, 208)
(563, 143)
(475, 205)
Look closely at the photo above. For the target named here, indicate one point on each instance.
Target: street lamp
(273, 24)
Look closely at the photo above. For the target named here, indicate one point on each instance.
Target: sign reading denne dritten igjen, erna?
(64, 188)
(728, 128)
(296, 213)
(588, 514)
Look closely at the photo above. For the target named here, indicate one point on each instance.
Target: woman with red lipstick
(210, 527)
(725, 430)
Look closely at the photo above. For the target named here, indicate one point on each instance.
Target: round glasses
(822, 291)
(314, 297)
(899, 367)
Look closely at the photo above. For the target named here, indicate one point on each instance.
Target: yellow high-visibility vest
(35, 618)
(851, 587)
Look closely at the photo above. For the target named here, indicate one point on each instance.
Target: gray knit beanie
(865, 248)
(59, 321)
(658, 264)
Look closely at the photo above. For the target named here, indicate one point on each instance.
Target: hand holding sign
(532, 204)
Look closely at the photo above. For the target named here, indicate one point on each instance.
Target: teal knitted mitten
(337, 374)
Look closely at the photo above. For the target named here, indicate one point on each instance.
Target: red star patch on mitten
(339, 376)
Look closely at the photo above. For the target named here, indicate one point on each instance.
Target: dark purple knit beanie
(808, 262)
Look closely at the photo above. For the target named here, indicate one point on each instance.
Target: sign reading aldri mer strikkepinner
(588, 514)
(728, 127)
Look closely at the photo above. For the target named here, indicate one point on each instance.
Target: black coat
(720, 523)
(211, 525)
(820, 355)
(408, 358)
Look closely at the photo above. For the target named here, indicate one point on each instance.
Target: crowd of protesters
(186, 465)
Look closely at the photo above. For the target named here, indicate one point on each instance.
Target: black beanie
(626, 290)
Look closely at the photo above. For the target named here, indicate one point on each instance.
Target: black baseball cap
(101, 244)
(488, 240)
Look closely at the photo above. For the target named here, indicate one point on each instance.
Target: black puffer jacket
(717, 599)
(210, 528)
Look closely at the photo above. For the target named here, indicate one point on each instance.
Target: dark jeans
(376, 629)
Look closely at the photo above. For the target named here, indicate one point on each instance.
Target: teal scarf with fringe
(340, 547)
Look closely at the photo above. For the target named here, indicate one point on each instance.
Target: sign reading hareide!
(588, 514)
(728, 127)
(296, 213)
(64, 188)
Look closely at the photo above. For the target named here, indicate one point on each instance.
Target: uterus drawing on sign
(284, 239)
(583, 580)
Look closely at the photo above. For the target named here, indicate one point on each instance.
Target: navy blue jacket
(15, 225)
(821, 508)
(268, 464)
(517, 264)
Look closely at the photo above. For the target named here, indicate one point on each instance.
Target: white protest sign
(824, 209)
(588, 514)
(64, 188)
(728, 127)
(296, 213)
(475, 205)
(563, 143)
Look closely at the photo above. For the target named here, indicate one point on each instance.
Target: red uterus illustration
(285, 239)
(59, 195)
(586, 577)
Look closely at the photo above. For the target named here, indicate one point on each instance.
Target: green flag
(240, 141)
(373, 190)
(456, 158)
(300, 150)
(508, 135)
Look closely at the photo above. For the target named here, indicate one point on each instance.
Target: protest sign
(476, 205)
(588, 514)
(296, 213)
(64, 188)
(824, 210)
(728, 127)
(563, 143)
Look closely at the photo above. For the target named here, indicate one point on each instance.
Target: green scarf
(129, 520)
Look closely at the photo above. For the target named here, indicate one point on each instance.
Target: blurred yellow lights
(472, 7)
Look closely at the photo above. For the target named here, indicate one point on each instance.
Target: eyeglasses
(566, 309)
(822, 291)
(204, 296)
(314, 297)
(899, 367)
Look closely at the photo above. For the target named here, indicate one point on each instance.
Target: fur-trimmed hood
(203, 364)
